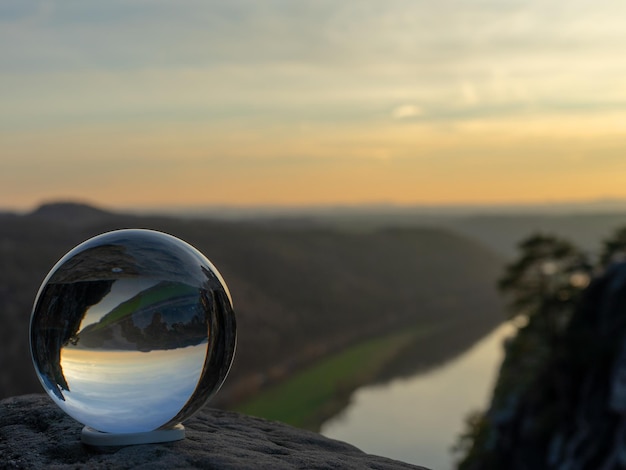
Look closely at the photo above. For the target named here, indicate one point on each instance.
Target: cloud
(118, 34)
(406, 111)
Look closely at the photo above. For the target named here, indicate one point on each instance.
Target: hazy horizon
(504, 209)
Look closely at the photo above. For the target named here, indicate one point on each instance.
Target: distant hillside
(499, 231)
(68, 209)
(71, 213)
(503, 232)
(299, 292)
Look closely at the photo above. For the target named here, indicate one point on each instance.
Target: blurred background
(362, 173)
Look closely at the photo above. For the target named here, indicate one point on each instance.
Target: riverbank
(418, 419)
(311, 396)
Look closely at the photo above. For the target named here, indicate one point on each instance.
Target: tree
(614, 248)
(545, 282)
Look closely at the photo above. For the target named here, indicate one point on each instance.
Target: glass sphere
(132, 331)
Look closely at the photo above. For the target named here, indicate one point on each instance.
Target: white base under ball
(92, 437)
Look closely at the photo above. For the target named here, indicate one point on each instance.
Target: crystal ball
(132, 331)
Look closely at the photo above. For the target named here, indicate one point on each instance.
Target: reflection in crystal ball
(132, 331)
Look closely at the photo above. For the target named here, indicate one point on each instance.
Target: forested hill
(299, 292)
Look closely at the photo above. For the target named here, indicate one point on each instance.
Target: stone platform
(35, 433)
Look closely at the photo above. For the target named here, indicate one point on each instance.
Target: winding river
(418, 419)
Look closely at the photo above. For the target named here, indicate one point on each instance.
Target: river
(418, 419)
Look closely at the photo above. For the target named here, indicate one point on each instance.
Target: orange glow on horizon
(486, 162)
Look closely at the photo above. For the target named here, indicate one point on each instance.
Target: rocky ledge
(35, 433)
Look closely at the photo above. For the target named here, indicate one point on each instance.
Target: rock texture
(35, 433)
(570, 413)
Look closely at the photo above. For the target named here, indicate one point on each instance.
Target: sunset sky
(140, 103)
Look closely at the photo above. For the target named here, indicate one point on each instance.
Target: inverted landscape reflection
(108, 386)
(102, 360)
(132, 331)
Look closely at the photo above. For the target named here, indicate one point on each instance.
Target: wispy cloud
(406, 111)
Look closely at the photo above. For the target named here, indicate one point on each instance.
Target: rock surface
(570, 411)
(35, 433)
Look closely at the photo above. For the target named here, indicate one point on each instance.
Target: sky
(140, 103)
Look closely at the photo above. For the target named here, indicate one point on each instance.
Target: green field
(163, 291)
(309, 397)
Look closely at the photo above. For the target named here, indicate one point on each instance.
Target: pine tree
(545, 282)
